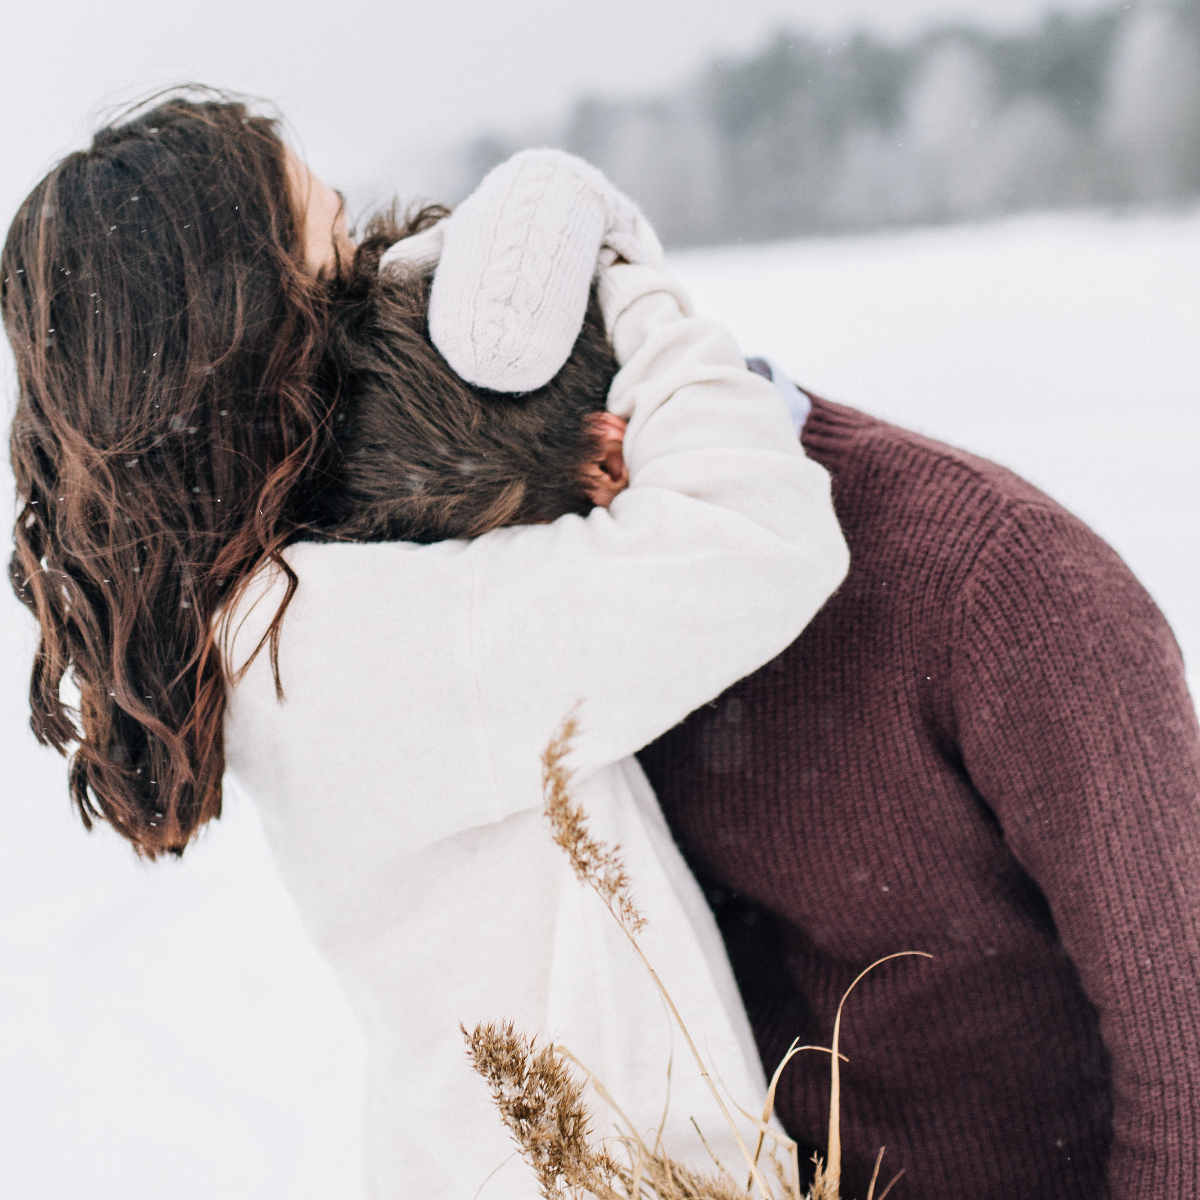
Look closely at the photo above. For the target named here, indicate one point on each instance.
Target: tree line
(811, 135)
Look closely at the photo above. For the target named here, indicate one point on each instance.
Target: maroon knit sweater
(982, 747)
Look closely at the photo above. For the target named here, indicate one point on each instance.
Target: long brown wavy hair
(168, 341)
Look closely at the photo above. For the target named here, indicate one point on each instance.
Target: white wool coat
(399, 779)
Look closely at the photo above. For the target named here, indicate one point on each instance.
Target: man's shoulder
(913, 506)
(919, 470)
(951, 552)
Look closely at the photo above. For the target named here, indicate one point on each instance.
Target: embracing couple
(354, 527)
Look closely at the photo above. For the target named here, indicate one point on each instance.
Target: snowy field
(166, 1033)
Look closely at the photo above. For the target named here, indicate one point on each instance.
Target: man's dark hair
(425, 456)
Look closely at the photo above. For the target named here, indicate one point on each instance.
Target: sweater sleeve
(722, 548)
(1076, 726)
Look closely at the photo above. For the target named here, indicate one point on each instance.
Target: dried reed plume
(541, 1101)
(600, 868)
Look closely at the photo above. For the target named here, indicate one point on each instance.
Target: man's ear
(605, 474)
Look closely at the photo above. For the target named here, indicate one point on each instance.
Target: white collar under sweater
(399, 781)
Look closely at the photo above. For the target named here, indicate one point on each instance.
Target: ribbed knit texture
(982, 747)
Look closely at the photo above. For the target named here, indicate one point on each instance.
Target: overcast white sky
(363, 82)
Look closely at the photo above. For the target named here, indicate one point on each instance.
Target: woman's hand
(515, 264)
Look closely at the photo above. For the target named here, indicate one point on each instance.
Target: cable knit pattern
(982, 747)
(517, 259)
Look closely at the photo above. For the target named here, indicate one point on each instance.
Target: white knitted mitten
(515, 262)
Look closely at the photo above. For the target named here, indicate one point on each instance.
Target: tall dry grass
(540, 1098)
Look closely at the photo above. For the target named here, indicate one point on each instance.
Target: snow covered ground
(166, 1032)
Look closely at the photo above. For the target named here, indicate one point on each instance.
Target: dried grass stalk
(595, 864)
(602, 869)
(542, 1102)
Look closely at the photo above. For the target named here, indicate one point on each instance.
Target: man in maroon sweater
(983, 748)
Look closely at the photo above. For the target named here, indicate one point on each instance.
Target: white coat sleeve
(711, 562)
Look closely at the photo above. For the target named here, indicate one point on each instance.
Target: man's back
(981, 748)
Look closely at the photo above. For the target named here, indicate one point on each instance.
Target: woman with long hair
(192, 327)
(168, 332)
(185, 307)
